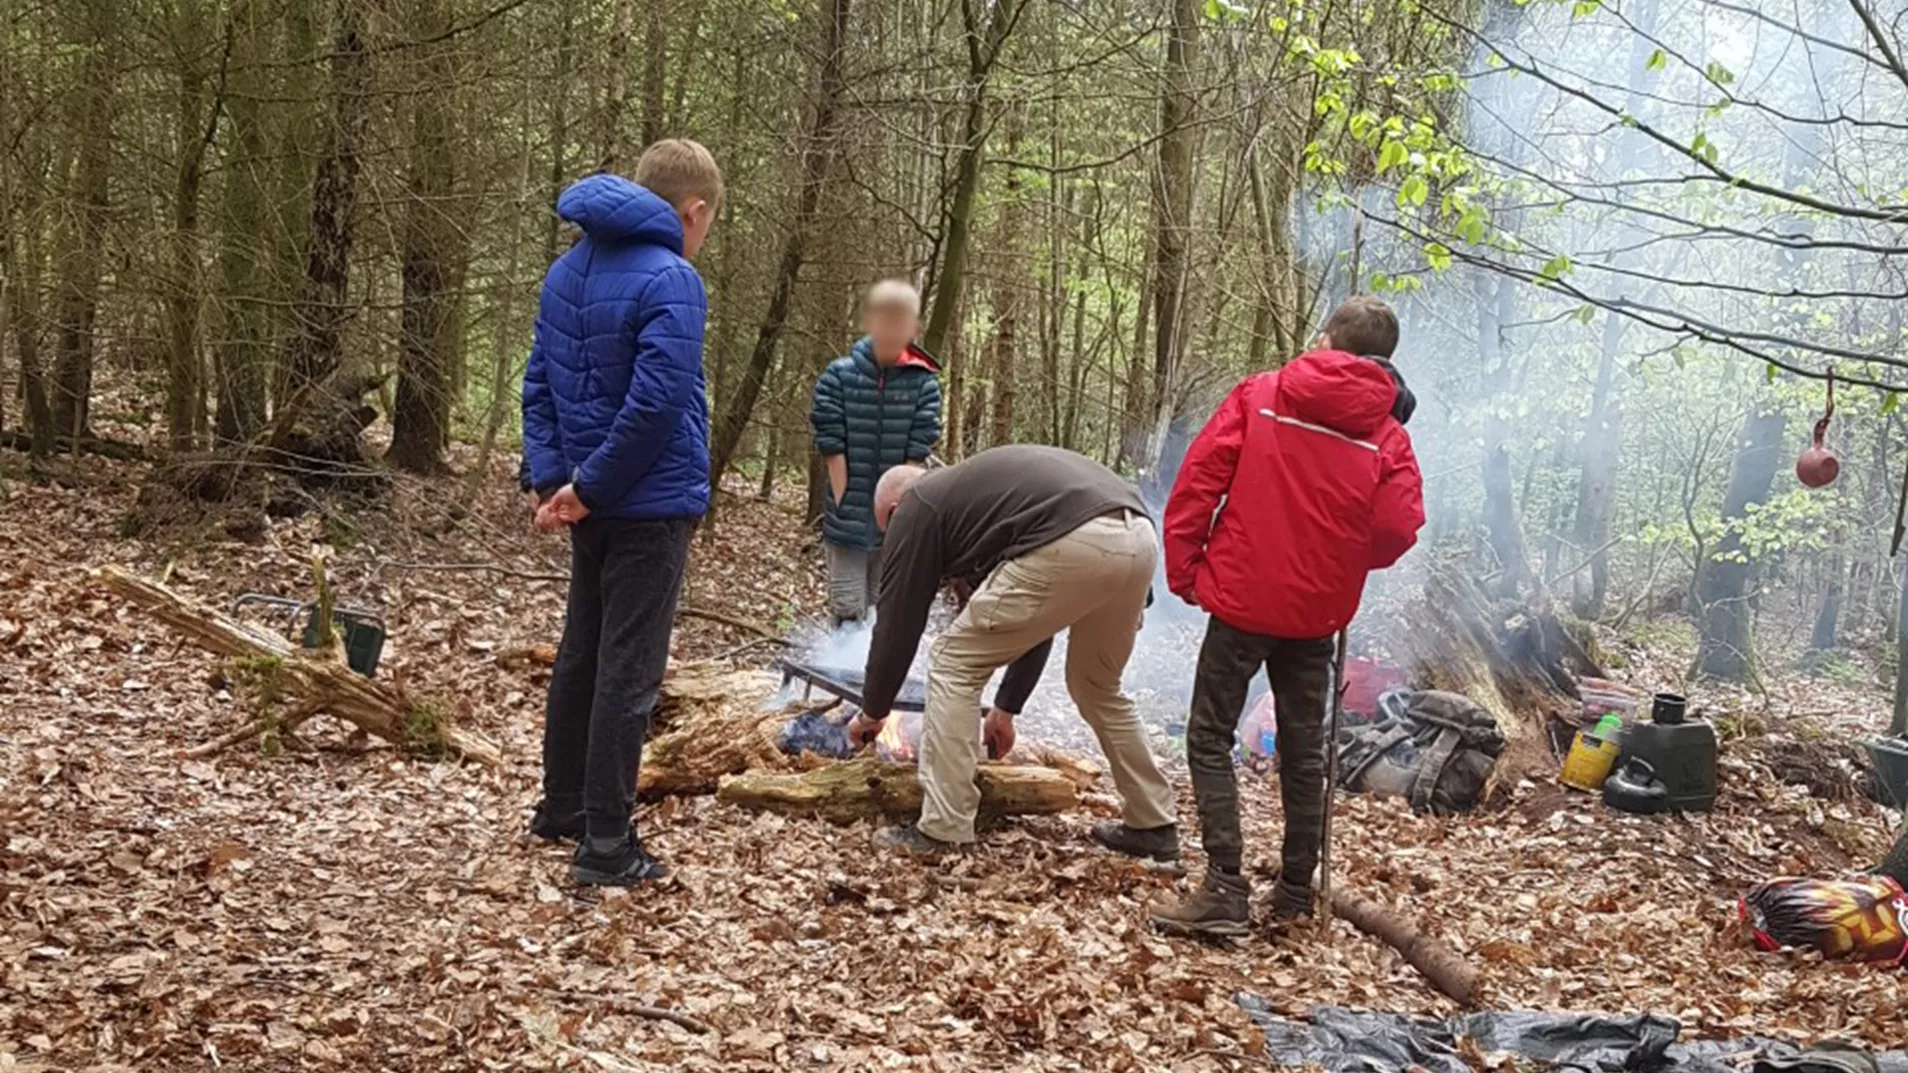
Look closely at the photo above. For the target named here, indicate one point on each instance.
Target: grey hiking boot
(911, 842)
(1220, 908)
(1159, 844)
(1290, 905)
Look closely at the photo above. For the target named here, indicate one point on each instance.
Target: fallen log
(307, 683)
(868, 788)
(709, 723)
(1444, 967)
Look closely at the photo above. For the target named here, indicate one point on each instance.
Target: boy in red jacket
(1301, 483)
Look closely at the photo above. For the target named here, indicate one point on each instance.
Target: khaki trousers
(1093, 582)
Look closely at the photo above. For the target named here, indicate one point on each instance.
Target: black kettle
(1634, 787)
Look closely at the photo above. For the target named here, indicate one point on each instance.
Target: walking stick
(1331, 786)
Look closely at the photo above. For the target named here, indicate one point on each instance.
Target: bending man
(1053, 541)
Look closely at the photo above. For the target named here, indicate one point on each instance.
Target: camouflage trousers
(1300, 673)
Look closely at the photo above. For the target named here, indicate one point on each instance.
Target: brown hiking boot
(1158, 844)
(1220, 908)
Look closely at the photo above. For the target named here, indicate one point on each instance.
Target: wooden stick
(759, 630)
(1331, 777)
(1444, 967)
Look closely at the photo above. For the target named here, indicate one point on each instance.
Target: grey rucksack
(1435, 749)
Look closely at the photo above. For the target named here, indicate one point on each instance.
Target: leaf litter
(349, 907)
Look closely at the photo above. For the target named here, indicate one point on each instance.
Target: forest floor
(354, 909)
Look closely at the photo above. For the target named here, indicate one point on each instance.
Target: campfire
(823, 730)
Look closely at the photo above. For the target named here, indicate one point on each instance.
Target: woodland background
(1628, 241)
(267, 274)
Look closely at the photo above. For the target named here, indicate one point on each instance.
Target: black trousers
(625, 577)
(1300, 672)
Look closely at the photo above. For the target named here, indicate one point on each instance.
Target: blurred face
(697, 217)
(891, 327)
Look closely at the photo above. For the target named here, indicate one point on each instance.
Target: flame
(892, 743)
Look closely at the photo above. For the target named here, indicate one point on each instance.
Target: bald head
(894, 485)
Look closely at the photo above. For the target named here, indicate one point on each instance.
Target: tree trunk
(818, 153)
(20, 261)
(420, 420)
(76, 303)
(1133, 421)
(1828, 614)
(240, 358)
(1596, 486)
(609, 116)
(983, 50)
(655, 65)
(185, 379)
(1503, 529)
(1724, 579)
(1898, 722)
(316, 345)
(1003, 361)
(1173, 219)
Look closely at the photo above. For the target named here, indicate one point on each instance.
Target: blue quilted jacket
(877, 417)
(613, 398)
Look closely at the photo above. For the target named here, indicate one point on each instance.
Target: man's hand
(997, 733)
(862, 730)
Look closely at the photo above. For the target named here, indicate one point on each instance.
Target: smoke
(843, 648)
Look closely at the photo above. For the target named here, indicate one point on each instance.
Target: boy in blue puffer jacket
(616, 446)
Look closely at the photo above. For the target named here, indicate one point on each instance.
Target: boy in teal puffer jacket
(876, 407)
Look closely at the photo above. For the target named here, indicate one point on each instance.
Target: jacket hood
(611, 208)
(1340, 391)
(913, 357)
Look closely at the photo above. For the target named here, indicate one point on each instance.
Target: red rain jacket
(1300, 484)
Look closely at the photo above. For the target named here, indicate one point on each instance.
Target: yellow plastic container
(1589, 763)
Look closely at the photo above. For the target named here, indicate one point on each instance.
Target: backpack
(1435, 749)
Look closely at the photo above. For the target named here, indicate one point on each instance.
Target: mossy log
(868, 788)
(308, 683)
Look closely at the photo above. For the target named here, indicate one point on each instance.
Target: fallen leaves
(349, 908)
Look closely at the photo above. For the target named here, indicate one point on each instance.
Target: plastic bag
(1352, 1041)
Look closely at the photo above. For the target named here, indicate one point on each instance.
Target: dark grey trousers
(1300, 673)
(625, 577)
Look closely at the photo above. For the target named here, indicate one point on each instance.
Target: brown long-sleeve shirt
(961, 522)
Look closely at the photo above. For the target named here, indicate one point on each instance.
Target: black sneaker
(619, 863)
(1158, 844)
(556, 826)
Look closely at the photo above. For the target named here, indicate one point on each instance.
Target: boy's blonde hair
(893, 293)
(680, 171)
